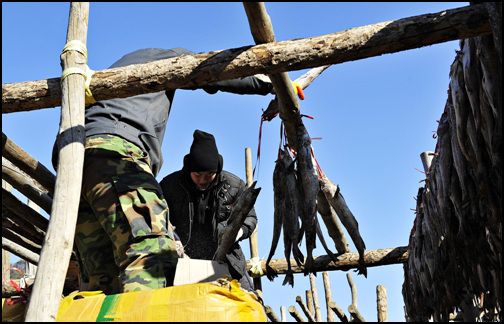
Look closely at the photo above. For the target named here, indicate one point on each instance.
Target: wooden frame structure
(41, 186)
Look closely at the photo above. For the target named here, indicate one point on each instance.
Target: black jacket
(142, 119)
(200, 241)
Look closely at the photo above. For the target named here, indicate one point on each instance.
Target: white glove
(240, 234)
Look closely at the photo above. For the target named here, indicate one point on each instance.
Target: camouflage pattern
(122, 235)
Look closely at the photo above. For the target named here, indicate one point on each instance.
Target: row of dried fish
(299, 192)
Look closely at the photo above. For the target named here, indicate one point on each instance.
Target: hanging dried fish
(278, 205)
(336, 200)
(285, 215)
(290, 217)
(308, 180)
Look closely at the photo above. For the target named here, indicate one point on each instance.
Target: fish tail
(289, 279)
(270, 273)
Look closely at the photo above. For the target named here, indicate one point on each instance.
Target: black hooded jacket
(142, 119)
(200, 240)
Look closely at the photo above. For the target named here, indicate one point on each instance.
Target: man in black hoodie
(199, 198)
(123, 235)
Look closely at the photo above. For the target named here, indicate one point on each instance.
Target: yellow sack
(218, 301)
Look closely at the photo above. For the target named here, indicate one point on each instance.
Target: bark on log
(25, 185)
(347, 261)
(58, 242)
(25, 162)
(197, 70)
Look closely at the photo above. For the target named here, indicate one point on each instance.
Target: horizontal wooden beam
(29, 165)
(346, 261)
(26, 185)
(192, 71)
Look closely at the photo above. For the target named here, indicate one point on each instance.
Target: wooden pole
(328, 295)
(20, 251)
(347, 261)
(353, 308)
(197, 70)
(338, 311)
(271, 314)
(318, 314)
(25, 185)
(283, 314)
(293, 311)
(262, 31)
(305, 309)
(381, 301)
(58, 242)
(309, 302)
(28, 164)
(254, 247)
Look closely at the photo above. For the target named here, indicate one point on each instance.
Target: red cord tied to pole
(22, 289)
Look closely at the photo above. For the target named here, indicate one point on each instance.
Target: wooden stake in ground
(254, 248)
(353, 308)
(309, 302)
(50, 279)
(271, 314)
(318, 314)
(328, 296)
(381, 301)
(305, 309)
(293, 311)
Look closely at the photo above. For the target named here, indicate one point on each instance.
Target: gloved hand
(298, 89)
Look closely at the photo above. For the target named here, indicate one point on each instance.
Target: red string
(14, 300)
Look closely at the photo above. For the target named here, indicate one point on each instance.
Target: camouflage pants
(122, 235)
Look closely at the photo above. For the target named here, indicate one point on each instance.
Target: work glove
(298, 90)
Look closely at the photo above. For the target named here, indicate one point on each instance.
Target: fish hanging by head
(335, 199)
(290, 216)
(307, 180)
(279, 195)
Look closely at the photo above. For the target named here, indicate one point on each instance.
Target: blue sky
(375, 116)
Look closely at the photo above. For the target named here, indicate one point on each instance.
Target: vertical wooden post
(318, 314)
(328, 296)
(58, 242)
(254, 249)
(31, 269)
(381, 300)
(5, 254)
(283, 314)
(309, 302)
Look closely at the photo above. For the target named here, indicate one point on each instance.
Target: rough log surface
(191, 71)
(347, 261)
(455, 246)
